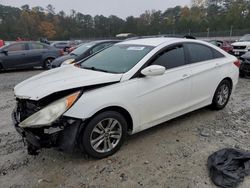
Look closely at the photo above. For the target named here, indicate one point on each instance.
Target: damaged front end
(42, 124)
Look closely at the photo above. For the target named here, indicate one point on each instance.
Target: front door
(163, 97)
(16, 56)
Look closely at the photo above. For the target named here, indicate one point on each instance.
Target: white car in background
(242, 46)
(127, 88)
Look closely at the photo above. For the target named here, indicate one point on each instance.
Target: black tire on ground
(47, 63)
(108, 135)
(222, 95)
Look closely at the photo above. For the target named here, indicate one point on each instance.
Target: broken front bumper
(62, 134)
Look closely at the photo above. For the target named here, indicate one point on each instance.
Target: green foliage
(35, 22)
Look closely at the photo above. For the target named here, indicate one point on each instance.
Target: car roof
(155, 41)
(27, 42)
(103, 41)
(56, 42)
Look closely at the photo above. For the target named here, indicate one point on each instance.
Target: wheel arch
(43, 63)
(226, 78)
(122, 111)
(214, 104)
(230, 81)
(48, 57)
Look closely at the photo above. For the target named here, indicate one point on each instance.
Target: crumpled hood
(60, 79)
(241, 44)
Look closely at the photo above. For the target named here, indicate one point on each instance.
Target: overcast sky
(121, 8)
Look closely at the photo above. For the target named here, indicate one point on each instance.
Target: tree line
(35, 22)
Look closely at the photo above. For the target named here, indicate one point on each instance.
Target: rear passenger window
(199, 53)
(171, 58)
(217, 54)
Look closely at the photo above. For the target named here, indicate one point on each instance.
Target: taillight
(237, 63)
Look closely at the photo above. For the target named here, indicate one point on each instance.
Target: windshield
(117, 59)
(245, 38)
(83, 48)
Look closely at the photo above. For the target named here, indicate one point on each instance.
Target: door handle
(185, 76)
(217, 65)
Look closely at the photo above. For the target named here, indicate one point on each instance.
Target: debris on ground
(228, 167)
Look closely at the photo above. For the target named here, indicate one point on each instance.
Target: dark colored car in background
(245, 65)
(83, 51)
(225, 45)
(20, 55)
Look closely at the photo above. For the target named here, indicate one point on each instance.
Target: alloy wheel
(223, 94)
(48, 64)
(106, 135)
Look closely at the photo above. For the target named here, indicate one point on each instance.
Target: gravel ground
(170, 155)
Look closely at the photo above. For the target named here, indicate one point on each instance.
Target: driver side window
(171, 58)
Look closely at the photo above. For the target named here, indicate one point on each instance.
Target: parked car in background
(245, 65)
(83, 51)
(242, 46)
(19, 55)
(75, 44)
(224, 45)
(123, 36)
(124, 89)
(63, 45)
(75, 47)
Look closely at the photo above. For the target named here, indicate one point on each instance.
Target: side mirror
(153, 70)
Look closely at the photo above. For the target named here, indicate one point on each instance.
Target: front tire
(222, 95)
(104, 134)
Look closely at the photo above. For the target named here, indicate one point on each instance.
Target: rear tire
(104, 134)
(222, 95)
(47, 64)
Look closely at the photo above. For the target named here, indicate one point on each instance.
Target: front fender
(115, 95)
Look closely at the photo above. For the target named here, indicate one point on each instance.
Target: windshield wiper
(95, 69)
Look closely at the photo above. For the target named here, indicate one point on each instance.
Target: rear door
(206, 73)
(35, 54)
(16, 57)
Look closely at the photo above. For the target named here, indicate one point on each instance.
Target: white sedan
(124, 89)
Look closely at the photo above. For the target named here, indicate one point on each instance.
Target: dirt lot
(170, 155)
